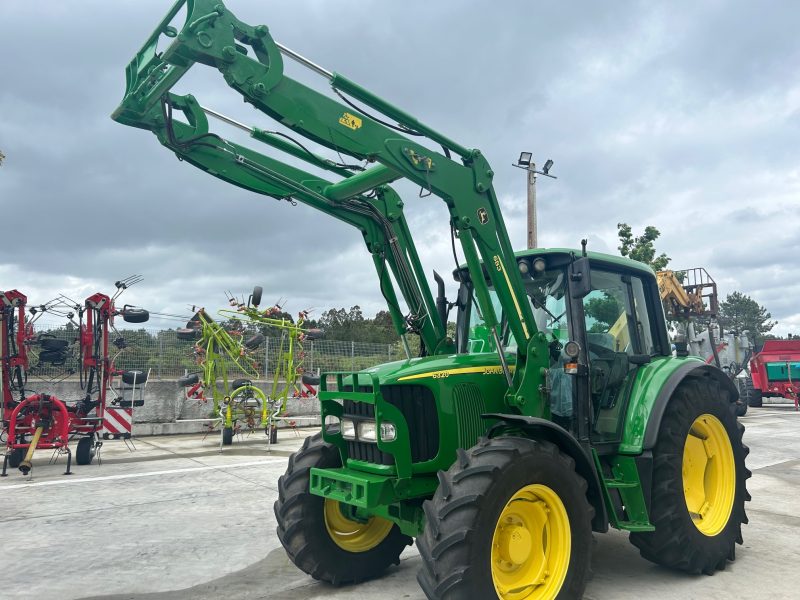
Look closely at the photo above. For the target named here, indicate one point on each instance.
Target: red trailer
(775, 371)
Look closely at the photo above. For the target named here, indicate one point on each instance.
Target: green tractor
(557, 410)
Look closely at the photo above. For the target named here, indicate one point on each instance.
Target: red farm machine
(774, 371)
(32, 420)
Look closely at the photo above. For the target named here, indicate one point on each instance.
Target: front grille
(468, 405)
(418, 407)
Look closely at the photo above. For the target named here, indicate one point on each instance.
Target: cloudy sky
(683, 115)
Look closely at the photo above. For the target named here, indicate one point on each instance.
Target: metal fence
(167, 357)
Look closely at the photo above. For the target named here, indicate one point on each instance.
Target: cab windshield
(546, 292)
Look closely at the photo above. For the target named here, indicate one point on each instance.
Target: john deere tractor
(555, 411)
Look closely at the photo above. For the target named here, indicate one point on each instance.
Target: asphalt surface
(176, 519)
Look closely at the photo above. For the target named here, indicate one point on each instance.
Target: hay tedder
(236, 402)
(289, 376)
(239, 405)
(34, 421)
(556, 410)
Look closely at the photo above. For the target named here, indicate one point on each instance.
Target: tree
(641, 247)
(604, 310)
(352, 326)
(741, 313)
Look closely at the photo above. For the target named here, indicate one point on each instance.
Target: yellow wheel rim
(709, 475)
(351, 535)
(531, 545)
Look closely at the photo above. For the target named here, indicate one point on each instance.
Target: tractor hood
(438, 367)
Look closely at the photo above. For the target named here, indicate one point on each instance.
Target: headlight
(388, 432)
(348, 429)
(367, 431)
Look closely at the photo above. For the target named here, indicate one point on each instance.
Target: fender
(691, 369)
(542, 429)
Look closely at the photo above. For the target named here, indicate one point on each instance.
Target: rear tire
(749, 394)
(471, 545)
(698, 456)
(308, 526)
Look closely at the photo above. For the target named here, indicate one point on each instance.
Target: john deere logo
(483, 216)
(351, 121)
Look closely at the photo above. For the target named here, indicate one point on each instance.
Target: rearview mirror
(580, 278)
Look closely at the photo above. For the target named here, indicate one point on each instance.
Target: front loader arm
(380, 219)
(211, 35)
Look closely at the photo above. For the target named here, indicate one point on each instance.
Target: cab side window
(643, 324)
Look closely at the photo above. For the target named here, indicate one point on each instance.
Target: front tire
(317, 534)
(699, 479)
(509, 520)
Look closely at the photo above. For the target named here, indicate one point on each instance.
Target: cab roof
(597, 258)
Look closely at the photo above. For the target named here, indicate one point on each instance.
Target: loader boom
(252, 64)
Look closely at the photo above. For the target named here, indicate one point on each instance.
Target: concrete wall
(166, 409)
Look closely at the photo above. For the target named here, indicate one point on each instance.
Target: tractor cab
(613, 315)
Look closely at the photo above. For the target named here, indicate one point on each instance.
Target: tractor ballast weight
(557, 408)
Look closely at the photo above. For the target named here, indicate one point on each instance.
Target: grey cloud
(683, 116)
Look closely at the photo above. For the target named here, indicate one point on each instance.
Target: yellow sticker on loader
(351, 121)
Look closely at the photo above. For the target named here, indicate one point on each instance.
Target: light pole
(525, 162)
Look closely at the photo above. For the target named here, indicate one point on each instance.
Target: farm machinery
(219, 352)
(556, 410)
(289, 377)
(239, 404)
(774, 371)
(34, 421)
(691, 304)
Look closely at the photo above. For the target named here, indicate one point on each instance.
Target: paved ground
(175, 519)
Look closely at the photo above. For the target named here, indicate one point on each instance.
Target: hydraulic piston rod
(304, 61)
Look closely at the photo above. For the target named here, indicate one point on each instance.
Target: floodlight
(547, 166)
(525, 159)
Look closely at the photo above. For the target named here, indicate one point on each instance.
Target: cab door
(619, 338)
